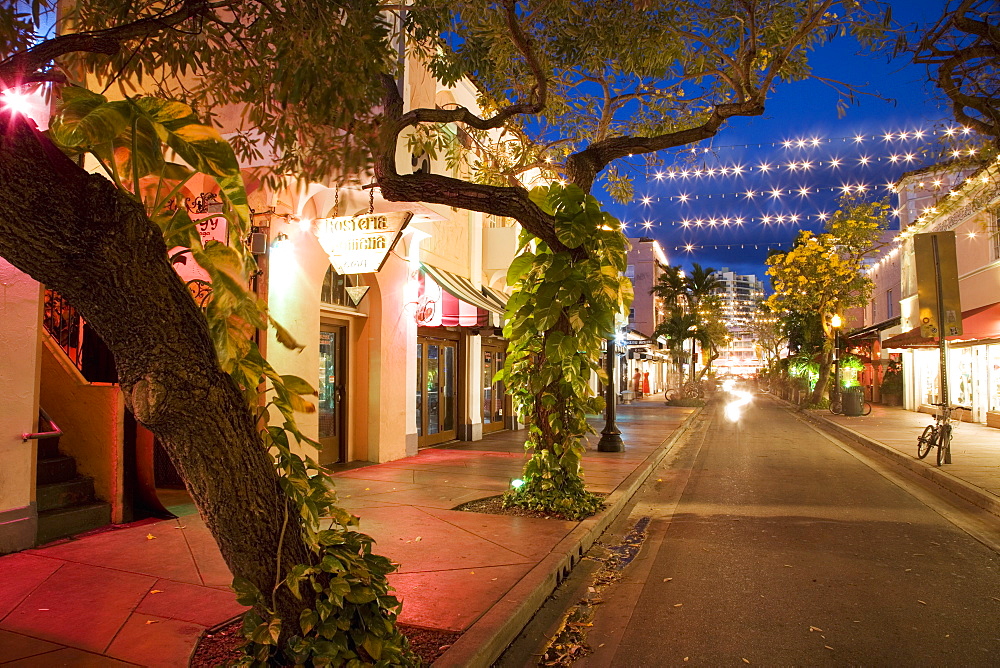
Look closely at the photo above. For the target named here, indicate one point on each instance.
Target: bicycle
(938, 434)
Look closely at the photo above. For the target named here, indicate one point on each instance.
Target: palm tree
(676, 329)
(699, 285)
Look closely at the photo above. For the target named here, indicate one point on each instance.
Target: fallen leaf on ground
(677, 605)
(921, 602)
(156, 591)
(667, 579)
(827, 646)
(150, 536)
(815, 628)
(746, 660)
(151, 621)
(417, 539)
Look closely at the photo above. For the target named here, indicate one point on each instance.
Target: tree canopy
(961, 51)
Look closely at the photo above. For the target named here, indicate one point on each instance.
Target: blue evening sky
(799, 110)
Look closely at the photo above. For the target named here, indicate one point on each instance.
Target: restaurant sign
(360, 244)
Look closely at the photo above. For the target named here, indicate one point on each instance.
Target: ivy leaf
(519, 266)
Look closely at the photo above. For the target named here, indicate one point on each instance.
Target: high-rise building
(739, 295)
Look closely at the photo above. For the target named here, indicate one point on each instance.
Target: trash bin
(853, 402)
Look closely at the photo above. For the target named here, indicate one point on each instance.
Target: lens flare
(734, 409)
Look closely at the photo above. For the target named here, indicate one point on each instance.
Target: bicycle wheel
(836, 407)
(944, 443)
(866, 408)
(926, 440)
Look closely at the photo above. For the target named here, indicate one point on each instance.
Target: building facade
(967, 207)
(739, 296)
(402, 355)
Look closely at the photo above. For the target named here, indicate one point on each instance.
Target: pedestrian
(637, 384)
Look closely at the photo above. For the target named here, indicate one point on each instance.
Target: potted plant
(892, 385)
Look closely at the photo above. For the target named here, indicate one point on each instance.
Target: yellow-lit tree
(824, 272)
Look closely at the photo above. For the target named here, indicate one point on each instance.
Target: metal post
(942, 342)
(836, 364)
(611, 436)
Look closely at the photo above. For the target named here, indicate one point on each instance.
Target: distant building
(739, 295)
(646, 260)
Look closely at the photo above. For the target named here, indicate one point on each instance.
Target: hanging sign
(360, 244)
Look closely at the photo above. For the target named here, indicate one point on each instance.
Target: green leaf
(519, 266)
(297, 385)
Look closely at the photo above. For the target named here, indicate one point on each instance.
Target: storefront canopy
(462, 288)
(448, 300)
(498, 298)
(978, 324)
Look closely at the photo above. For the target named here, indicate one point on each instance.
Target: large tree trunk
(78, 234)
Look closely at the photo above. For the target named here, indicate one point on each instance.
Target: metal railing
(65, 325)
(39, 435)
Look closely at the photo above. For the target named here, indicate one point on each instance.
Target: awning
(461, 287)
(496, 297)
(872, 331)
(978, 324)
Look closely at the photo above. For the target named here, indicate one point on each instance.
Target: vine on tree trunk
(562, 311)
(341, 598)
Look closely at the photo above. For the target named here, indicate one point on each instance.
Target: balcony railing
(65, 325)
(82, 345)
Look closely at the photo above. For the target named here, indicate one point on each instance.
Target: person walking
(637, 384)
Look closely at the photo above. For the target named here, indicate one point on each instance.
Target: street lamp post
(611, 436)
(836, 321)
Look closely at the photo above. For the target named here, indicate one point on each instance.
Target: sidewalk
(144, 594)
(974, 473)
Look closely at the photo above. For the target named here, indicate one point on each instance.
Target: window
(630, 271)
(334, 290)
(874, 310)
(631, 314)
(994, 232)
(889, 309)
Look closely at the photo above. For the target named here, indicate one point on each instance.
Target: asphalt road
(771, 544)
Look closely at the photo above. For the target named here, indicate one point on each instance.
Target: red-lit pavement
(145, 593)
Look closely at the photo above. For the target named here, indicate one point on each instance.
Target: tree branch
(24, 66)
(537, 99)
(511, 202)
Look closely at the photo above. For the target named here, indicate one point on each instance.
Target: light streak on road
(734, 409)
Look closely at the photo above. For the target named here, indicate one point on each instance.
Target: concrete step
(64, 522)
(55, 469)
(75, 492)
(48, 448)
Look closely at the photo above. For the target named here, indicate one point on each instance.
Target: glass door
(437, 391)
(494, 395)
(332, 386)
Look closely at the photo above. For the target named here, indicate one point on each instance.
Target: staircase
(65, 499)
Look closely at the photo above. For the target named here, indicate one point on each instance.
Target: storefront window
(929, 366)
(334, 289)
(420, 390)
(993, 365)
(961, 382)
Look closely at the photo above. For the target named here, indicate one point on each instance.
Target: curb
(487, 638)
(967, 491)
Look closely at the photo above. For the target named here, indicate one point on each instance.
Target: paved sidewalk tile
(22, 574)
(190, 603)
(156, 642)
(14, 646)
(68, 658)
(80, 605)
